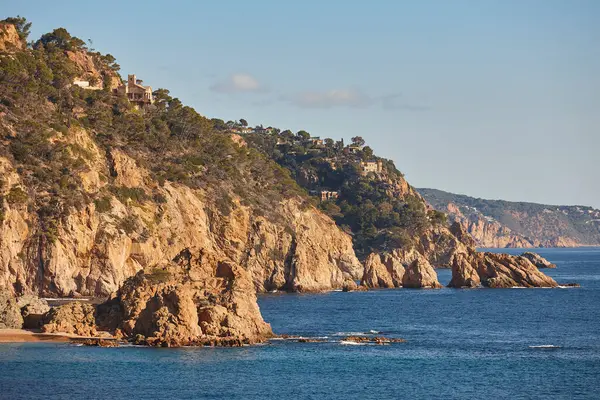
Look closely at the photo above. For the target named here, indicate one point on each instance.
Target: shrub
(128, 224)
(16, 195)
(158, 275)
(123, 193)
(103, 204)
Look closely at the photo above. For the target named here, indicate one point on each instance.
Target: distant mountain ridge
(500, 223)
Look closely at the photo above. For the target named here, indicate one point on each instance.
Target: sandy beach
(23, 335)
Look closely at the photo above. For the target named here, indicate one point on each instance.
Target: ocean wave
(545, 346)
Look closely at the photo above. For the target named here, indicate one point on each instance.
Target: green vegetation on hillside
(369, 205)
(41, 108)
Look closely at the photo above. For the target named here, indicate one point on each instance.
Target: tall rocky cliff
(95, 248)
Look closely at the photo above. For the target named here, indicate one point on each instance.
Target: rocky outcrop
(376, 274)
(9, 38)
(538, 260)
(399, 268)
(441, 245)
(497, 271)
(92, 70)
(464, 274)
(76, 318)
(33, 310)
(420, 274)
(10, 313)
(199, 301)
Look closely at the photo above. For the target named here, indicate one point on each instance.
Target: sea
(460, 344)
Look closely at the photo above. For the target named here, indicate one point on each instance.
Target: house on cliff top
(371, 166)
(137, 94)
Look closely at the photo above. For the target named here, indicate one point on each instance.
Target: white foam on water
(349, 343)
(545, 346)
(348, 334)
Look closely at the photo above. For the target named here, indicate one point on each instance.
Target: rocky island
(111, 190)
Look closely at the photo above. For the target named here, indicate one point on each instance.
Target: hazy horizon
(491, 99)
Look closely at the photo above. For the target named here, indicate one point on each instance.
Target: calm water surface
(460, 343)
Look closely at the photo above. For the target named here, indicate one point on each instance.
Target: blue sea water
(479, 343)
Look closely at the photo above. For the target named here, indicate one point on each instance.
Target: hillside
(499, 223)
(110, 189)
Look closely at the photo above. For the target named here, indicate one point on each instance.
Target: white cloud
(238, 82)
(331, 98)
(352, 98)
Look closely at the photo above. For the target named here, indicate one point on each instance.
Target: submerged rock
(538, 260)
(96, 342)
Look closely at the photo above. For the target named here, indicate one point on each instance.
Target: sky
(497, 99)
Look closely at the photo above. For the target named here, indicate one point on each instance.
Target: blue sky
(494, 99)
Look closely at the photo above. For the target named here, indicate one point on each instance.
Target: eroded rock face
(538, 260)
(10, 313)
(498, 271)
(420, 274)
(33, 310)
(297, 248)
(441, 245)
(399, 268)
(76, 318)
(9, 38)
(464, 274)
(376, 274)
(199, 301)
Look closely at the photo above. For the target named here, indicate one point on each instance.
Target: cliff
(93, 249)
(498, 223)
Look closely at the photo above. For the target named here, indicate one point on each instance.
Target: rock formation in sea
(399, 268)
(538, 260)
(198, 301)
(495, 270)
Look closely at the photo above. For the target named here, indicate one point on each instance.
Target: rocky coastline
(178, 222)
